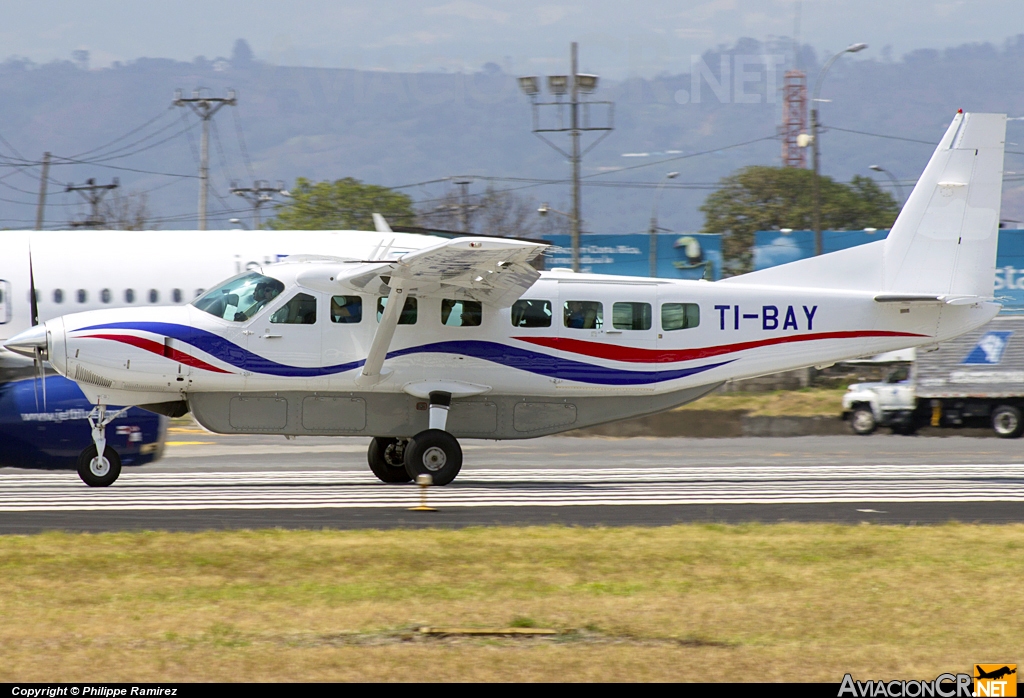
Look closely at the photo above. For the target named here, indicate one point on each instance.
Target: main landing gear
(432, 452)
(94, 469)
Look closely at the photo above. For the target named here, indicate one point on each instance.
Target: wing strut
(372, 372)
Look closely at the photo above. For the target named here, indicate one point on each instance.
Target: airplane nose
(30, 341)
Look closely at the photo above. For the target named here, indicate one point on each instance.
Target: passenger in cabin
(346, 309)
(575, 315)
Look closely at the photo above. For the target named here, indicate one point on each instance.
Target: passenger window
(583, 315)
(631, 316)
(346, 309)
(58, 296)
(461, 313)
(300, 310)
(105, 295)
(154, 295)
(129, 296)
(408, 316)
(679, 316)
(81, 295)
(530, 313)
(176, 295)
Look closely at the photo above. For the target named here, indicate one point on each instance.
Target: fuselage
(570, 336)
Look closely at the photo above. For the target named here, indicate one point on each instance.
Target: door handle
(613, 331)
(270, 336)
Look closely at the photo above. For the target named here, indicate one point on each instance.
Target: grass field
(698, 602)
(808, 402)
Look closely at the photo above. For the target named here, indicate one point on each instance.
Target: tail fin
(944, 241)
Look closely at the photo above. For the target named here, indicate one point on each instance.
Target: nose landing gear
(100, 470)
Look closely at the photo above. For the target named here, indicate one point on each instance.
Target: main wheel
(1007, 422)
(99, 472)
(386, 460)
(862, 421)
(436, 453)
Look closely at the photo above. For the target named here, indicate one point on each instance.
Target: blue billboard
(774, 247)
(680, 256)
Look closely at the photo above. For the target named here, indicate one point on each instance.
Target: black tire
(436, 453)
(1007, 422)
(862, 421)
(94, 478)
(386, 462)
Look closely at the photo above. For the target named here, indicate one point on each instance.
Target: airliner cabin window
(239, 299)
(105, 295)
(300, 310)
(583, 315)
(58, 296)
(456, 313)
(631, 316)
(129, 295)
(679, 316)
(154, 295)
(346, 309)
(531, 313)
(408, 316)
(81, 295)
(176, 295)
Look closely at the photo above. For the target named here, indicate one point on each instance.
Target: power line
(241, 144)
(121, 138)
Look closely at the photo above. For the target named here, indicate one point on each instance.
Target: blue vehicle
(55, 437)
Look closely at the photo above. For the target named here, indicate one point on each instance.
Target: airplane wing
(493, 271)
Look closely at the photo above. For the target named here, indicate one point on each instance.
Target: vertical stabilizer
(944, 241)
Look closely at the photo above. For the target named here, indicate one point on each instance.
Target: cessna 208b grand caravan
(465, 339)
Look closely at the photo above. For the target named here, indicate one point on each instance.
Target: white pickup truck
(974, 380)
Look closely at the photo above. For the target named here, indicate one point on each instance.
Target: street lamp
(575, 86)
(653, 254)
(852, 48)
(895, 183)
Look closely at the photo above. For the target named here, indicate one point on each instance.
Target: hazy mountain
(404, 128)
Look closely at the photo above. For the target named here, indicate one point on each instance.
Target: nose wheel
(100, 470)
(97, 471)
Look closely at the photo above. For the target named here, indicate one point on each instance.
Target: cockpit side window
(239, 299)
(300, 310)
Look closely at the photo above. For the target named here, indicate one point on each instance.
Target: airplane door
(617, 314)
(5, 302)
(286, 341)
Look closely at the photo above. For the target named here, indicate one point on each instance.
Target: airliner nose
(27, 343)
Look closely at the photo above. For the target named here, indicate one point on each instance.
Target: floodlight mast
(574, 84)
(815, 152)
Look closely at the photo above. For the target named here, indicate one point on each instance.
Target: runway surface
(208, 481)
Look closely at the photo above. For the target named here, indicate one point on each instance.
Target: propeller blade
(33, 302)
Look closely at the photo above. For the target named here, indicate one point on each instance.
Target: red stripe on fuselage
(157, 348)
(615, 352)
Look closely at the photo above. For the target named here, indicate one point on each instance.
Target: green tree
(344, 204)
(763, 198)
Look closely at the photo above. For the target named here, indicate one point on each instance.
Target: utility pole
(204, 108)
(464, 203)
(258, 194)
(579, 121)
(43, 178)
(93, 193)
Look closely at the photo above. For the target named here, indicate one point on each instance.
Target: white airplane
(42, 421)
(464, 339)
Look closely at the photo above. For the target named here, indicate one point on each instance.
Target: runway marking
(139, 490)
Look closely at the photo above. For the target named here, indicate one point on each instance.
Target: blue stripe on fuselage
(496, 352)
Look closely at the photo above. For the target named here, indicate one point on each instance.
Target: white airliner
(465, 339)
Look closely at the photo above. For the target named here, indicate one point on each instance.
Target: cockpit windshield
(240, 298)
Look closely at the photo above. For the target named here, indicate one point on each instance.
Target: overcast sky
(617, 37)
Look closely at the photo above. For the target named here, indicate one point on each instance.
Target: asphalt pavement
(208, 481)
